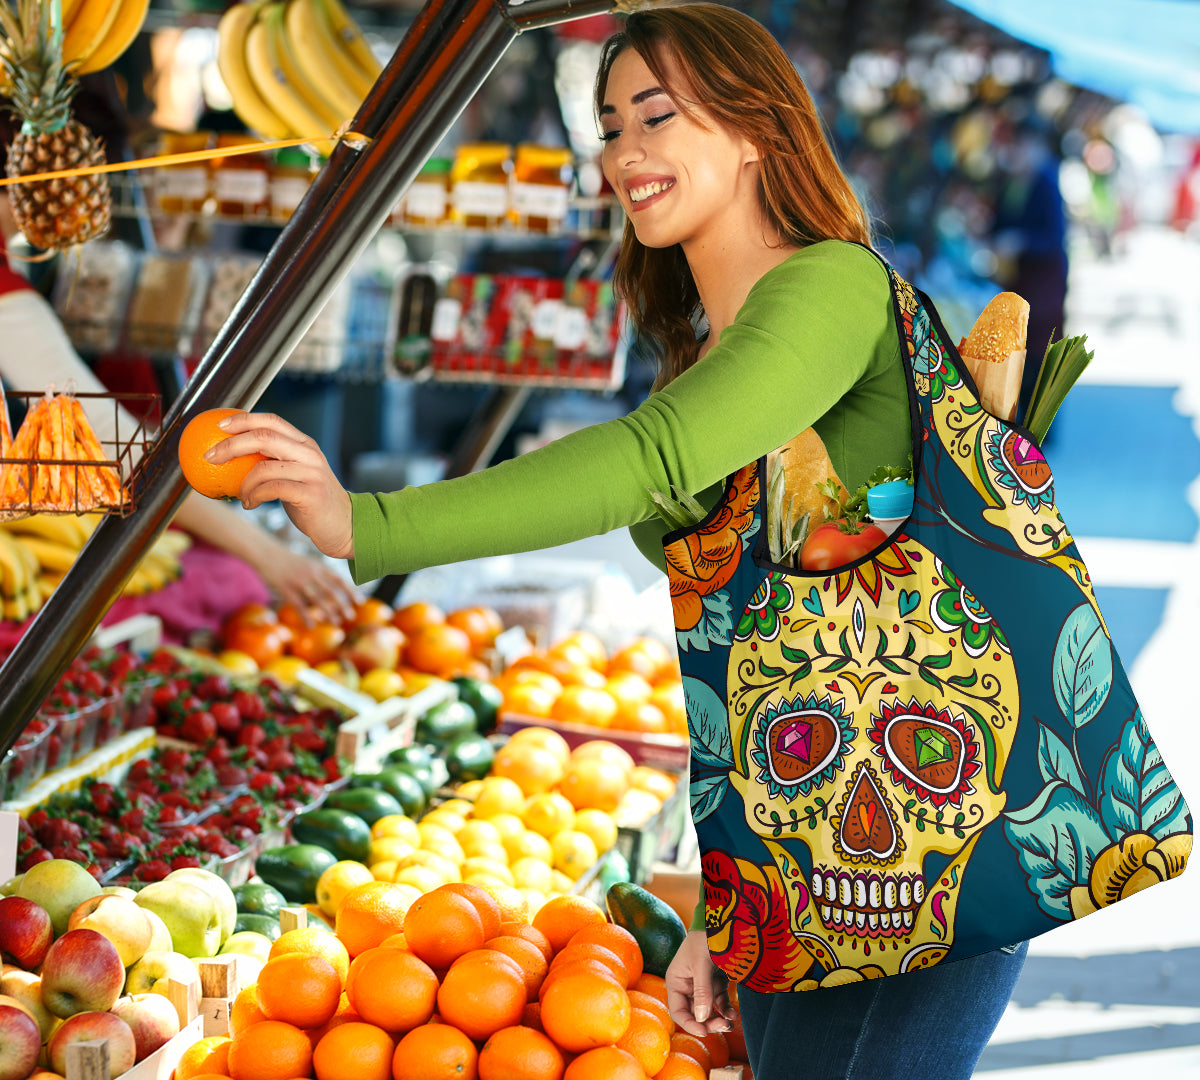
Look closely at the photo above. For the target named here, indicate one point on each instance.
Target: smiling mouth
(640, 194)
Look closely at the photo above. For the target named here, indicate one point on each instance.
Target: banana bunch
(97, 32)
(294, 68)
(37, 551)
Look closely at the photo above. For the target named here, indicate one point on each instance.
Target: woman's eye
(608, 136)
(654, 121)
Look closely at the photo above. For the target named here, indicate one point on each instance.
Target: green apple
(216, 887)
(189, 912)
(160, 937)
(248, 943)
(120, 890)
(60, 886)
(152, 972)
(120, 920)
(9, 887)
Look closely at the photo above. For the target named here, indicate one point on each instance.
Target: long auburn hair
(737, 72)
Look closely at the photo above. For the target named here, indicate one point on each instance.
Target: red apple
(25, 931)
(20, 1043)
(118, 919)
(373, 646)
(85, 1026)
(82, 972)
(152, 1019)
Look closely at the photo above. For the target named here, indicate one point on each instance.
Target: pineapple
(52, 214)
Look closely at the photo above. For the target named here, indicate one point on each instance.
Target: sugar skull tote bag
(929, 753)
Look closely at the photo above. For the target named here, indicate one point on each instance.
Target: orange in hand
(200, 436)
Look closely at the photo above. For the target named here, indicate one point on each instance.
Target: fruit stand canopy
(1145, 52)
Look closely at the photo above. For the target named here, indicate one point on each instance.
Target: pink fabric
(212, 586)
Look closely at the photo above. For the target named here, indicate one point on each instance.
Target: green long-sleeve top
(815, 344)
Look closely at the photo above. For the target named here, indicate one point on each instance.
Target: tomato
(828, 547)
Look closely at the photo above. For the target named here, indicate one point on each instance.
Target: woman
(739, 218)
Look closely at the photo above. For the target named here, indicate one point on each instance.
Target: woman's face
(681, 177)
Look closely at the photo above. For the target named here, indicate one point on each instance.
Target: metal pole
(438, 67)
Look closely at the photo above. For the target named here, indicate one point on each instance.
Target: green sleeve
(811, 330)
(698, 915)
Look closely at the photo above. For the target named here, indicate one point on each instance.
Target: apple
(152, 1019)
(216, 887)
(25, 930)
(20, 1043)
(85, 1026)
(119, 890)
(373, 647)
(120, 920)
(160, 939)
(189, 912)
(60, 886)
(9, 888)
(82, 972)
(248, 943)
(26, 988)
(152, 972)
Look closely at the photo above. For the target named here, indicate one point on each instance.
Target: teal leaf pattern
(1056, 761)
(1137, 794)
(1083, 666)
(715, 625)
(712, 747)
(1056, 838)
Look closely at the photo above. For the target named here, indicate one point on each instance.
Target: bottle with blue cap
(890, 504)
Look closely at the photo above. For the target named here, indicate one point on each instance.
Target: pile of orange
(462, 991)
(638, 688)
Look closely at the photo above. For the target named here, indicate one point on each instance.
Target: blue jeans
(928, 1023)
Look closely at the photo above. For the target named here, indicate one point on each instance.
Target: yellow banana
(313, 47)
(63, 529)
(86, 30)
(131, 14)
(346, 31)
(12, 568)
(137, 585)
(267, 75)
(69, 7)
(34, 597)
(52, 556)
(173, 541)
(47, 583)
(248, 103)
(32, 567)
(16, 609)
(302, 82)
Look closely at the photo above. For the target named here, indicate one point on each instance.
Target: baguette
(806, 467)
(994, 352)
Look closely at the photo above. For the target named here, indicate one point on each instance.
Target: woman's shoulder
(836, 262)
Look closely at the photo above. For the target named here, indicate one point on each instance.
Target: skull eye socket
(801, 743)
(926, 752)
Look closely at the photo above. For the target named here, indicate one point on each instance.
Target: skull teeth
(818, 884)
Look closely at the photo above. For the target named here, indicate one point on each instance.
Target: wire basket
(91, 485)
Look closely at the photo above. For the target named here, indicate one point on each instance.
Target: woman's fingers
(262, 433)
(696, 988)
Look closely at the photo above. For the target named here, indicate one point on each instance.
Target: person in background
(1029, 236)
(746, 268)
(36, 352)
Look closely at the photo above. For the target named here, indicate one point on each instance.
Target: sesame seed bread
(994, 352)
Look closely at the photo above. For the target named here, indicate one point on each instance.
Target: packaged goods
(165, 303)
(183, 189)
(426, 204)
(91, 294)
(241, 182)
(541, 186)
(479, 185)
(291, 174)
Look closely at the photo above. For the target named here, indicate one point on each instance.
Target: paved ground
(1118, 993)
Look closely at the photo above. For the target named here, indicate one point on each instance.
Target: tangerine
(201, 435)
(529, 958)
(560, 918)
(689, 1045)
(544, 737)
(369, 913)
(605, 1063)
(412, 617)
(529, 933)
(299, 988)
(639, 999)
(207, 1055)
(354, 1051)
(617, 940)
(534, 769)
(520, 1053)
(589, 705)
(313, 942)
(594, 784)
(482, 625)
(441, 926)
(435, 1052)
(647, 1040)
(584, 1010)
(718, 1048)
(485, 904)
(437, 649)
(481, 997)
(370, 612)
(244, 1011)
(271, 1050)
(605, 750)
(678, 1067)
(317, 643)
(392, 988)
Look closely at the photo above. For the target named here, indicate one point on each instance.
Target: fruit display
(298, 69)
(40, 83)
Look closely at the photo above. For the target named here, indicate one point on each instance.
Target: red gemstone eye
(801, 743)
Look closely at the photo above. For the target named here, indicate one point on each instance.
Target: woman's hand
(697, 990)
(297, 475)
(307, 583)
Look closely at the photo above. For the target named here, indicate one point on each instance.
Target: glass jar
(183, 189)
(426, 204)
(541, 184)
(292, 171)
(479, 185)
(241, 182)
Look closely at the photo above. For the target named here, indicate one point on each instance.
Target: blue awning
(1145, 52)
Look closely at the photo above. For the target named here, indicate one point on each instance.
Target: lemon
(400, 825)
(439, 864)
(388, 848)
(462, 807)
(548, 813)
(337, 880)
(499, 795)
(534, 898)
(286, 668)
(496, 852)
(486, 880)
(381, 684)
(559, 882)
(421, 878)
(470, 790)
(530, 873)
(238, 662)
(574, 852)
(447, 819)
(385, 870)
(490, 867)
(599, 826)
(528, 844)
(341, 671)
(476, 834)
(507, 825)
(417, 680)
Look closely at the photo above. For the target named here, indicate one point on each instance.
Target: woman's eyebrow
(637, 99)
